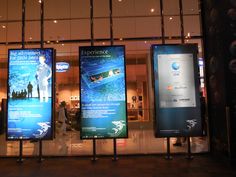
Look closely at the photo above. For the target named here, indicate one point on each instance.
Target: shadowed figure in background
(30, 89)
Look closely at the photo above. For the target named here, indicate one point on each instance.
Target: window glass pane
(148, 26)
(190, 6)
(101, 8)
(137, 27)
(3, 32)
(57, 31)
(136, 7)
(80, 8)
(32, 10)
(147, 7)
(173, 41)
(3, 10)
(172, 26)
(171, 7)
(124, 27)
(123, 8)
(14, 10)
(101, 28)
(190, 28)
(14, 32)
(80, 29)
(32, 31)
(56, 9)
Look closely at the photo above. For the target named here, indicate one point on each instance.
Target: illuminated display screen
(30, 94)
(103, 92)
(177, 101)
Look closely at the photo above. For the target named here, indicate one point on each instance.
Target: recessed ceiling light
(121, 39)
(171, 18)
(57, 41)
(48, 42)
(30, 38)
(120, 0)
(40, 1)
(152, 10)
(145, 42)
(3, 26)
(103, 43)
(62, 44)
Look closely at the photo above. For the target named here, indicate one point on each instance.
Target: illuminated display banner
(62, 67)
(103, 92)
(30, 94)
(177, 101)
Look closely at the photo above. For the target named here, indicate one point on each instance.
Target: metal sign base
(94, 158)
(20, 159)
(168, 156)
(189, 154)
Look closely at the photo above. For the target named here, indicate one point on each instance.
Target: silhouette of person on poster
(43, 74)
(30, 89)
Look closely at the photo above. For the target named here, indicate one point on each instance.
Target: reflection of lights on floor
(139, 141)
(79, 145)
(121, 142)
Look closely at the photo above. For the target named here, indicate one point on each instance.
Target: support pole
(112, 43)
(162, 23)
(20, 159)
(40, 154)
(94, 158)
(23, 25)
(181, 21)
(111, 22)
(115, 158)
(91, 23)
(40, 151)
(168, 156)
(189, 154)
(42, 24)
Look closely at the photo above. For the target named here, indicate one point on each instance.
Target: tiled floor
(126, 166)
(139, 142)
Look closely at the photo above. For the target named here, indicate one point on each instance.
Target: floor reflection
(139, 142)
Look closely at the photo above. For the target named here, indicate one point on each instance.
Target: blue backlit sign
(177, 103)
(103, 92)
(30, 94)
(62, 66)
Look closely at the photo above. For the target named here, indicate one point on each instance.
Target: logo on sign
(62, 66)
(175, 66)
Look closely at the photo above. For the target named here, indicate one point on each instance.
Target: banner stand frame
(94, 158)
(168, 156)
(20, 159)
(189, 154)
(115, 158)
(40, 151)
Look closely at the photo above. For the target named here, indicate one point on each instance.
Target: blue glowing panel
(103, 92)
(177, 100)
(30, 94)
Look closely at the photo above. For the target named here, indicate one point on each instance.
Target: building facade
(68, 24)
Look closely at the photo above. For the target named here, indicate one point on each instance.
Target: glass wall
(137, 24)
